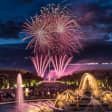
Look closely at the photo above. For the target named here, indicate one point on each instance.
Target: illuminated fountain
(69, 100)
(65, 98)
(106, 98)
(92, 101)
(40, 106)
(89, 83)
(55, 35)
(19, 91)
(94, 105)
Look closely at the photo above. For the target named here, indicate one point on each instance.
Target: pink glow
(40, 64)
(54, 32)
(60, 64)
(38, 31)
(55, 29)
(20, 94)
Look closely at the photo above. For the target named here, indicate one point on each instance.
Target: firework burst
(38, 30)
(54, 29)
(65, 29)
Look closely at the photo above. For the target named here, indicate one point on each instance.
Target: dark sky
(94, 16)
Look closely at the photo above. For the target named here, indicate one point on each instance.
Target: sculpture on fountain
(87, 94)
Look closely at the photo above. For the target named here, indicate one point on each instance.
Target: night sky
(94, 17)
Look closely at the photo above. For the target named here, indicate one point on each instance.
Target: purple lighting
(60, 64)
(40, 64)
(55, 35)
(19, 97)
